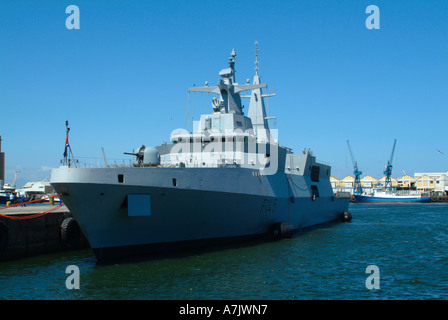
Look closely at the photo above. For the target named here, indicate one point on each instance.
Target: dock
(31, 230)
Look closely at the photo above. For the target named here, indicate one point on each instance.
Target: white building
(431, 181)
(36, 188)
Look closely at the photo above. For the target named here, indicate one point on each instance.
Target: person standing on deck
(11, 198)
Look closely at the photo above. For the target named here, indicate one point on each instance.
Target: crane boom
(388, 171)
(351, 153)
(393, 150)
(357, 188)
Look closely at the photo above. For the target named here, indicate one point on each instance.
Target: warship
(227, 181)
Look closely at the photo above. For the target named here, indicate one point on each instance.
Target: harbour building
(420, 183)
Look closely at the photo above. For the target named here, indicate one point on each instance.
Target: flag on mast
(66, 139)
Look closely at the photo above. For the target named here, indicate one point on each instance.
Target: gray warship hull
(194, 212)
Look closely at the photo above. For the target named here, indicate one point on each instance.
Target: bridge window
(315, 173)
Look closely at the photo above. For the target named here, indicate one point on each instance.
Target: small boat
(4, 196)
(381, 195)
(387, 193)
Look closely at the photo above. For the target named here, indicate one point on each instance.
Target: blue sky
(118, 79)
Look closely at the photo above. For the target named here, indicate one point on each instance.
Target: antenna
(187, 110)
(256, 57)
(232, 63)
(171, 118)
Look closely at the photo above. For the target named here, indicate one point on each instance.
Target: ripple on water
(409, 244)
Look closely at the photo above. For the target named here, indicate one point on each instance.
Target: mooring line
(33, 215)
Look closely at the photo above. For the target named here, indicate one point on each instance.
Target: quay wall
(48, 233)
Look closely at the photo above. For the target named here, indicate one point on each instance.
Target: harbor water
(406, 243)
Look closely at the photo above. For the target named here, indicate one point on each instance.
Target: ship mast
(228, 89)
(69, 159)
(256, 58)
(232, 64)
(257, 110)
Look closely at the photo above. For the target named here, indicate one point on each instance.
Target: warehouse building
(422, 183)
